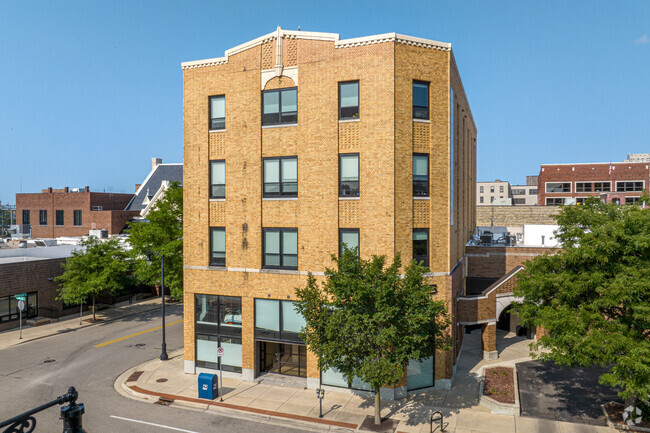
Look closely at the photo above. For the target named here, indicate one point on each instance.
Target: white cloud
(642, 40)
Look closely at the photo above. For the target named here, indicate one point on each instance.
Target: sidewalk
(165, 383)
(71, 323)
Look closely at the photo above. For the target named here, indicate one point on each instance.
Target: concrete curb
(232, 411)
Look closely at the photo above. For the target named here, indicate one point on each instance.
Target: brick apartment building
(616, 182)
(64, 212)
(299, 141)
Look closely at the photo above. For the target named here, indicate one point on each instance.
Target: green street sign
(21, 297)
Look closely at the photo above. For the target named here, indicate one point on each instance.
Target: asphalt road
(571, 394)
(37, 372)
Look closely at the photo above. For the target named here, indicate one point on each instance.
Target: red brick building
(55, 213)
(616, 182)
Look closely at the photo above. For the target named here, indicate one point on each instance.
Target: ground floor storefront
(266, 341)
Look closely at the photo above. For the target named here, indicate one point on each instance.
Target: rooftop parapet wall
(507, 216)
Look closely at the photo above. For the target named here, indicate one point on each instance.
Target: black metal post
(320, 393)
(71, 415)
(163, 354)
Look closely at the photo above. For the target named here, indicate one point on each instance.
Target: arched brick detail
(280, 82)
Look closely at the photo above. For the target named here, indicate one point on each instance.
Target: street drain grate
(164, 401)
(161, 380)
(134, 376)
(48, 361)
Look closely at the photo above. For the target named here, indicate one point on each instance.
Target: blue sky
(90, 91)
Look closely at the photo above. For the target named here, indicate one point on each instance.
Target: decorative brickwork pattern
(268, 52)
(421, 137)
(217, 145)
(349, 137)
(421, 218)
(290, 52)
(217, 213)
(349, 213)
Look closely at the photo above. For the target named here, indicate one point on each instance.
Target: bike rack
(441, 419)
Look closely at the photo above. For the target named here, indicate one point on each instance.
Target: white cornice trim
(317, 36)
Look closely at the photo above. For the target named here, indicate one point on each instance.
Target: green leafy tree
(97, 267)
(368, 321)
(162, 234)
(593, 296)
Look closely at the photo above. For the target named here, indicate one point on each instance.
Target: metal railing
(70, 414)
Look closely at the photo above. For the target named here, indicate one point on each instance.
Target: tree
(162, 234)
(368, 321)
(593, 296)
(97, 267)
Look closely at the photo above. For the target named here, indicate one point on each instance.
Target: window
(280, 106)
(518, 192)
(217, 113)
(218, 179)
(77, 217)
(519, 201)
(280, 248)
(492, 199)
(218, 322)
(217, 246)
(349, 237)
(42, 217)
(481, 199)
(602, 186)
(480, 188)
(491, 189)
(532, 191)
(9, 307)
(349, 100)
(420, 100)
(349, 175)
(626, 186)
(558, 187)
(554, 201)
(26, 217)
(420, 175)
(59, 217)
(281, 177)
(580, 200)
(421, 246)
(277, 320)
(593, 186)
(632, 200)
(500, 188)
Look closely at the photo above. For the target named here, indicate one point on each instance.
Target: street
(36, 372)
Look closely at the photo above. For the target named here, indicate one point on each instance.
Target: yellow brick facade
(385, 136)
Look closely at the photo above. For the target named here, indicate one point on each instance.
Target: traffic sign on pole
(219, 352)
(21, 305)
(21, 296)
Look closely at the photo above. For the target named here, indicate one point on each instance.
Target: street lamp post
(163, 354)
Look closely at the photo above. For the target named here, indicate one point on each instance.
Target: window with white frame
(558, 186)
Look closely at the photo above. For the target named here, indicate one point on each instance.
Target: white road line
(153, 424)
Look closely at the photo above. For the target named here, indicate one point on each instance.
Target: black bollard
(72, 413)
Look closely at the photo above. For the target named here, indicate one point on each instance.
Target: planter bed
(498, 391)
(614, 413)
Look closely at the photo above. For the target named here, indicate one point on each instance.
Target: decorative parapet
(334, 37)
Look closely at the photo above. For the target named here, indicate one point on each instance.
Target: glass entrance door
(281, 358)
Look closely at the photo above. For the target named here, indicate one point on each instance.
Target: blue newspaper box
(208, 386)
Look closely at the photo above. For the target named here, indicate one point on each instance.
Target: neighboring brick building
(300, 140)
(56, 213)
(31, 271)
(616, 182)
